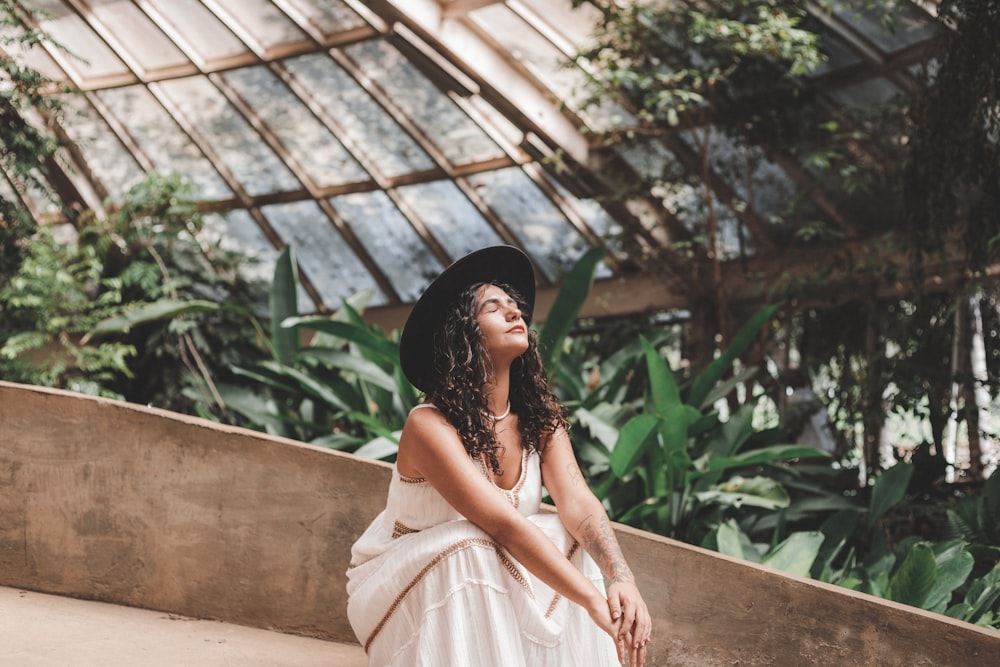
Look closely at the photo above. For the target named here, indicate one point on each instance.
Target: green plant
(343, 388)
(679, 467)
(937, 575)
(27, 152)
(105, 311)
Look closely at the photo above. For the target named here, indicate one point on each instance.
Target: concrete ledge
(121, 503)
(52, 631)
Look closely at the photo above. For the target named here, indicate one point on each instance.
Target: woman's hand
(601, 614)
(631, 617)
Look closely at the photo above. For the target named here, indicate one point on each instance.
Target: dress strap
(422, 405)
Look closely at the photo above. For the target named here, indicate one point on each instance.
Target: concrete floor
(38, 630)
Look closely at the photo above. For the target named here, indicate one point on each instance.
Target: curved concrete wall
(121, 503)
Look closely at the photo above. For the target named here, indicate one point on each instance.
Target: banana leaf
(567, 305)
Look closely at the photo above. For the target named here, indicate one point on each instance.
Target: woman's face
(505, 335)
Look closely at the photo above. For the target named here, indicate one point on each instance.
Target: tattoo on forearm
(573, 472)
(599, 540)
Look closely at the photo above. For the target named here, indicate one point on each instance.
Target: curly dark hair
(462, 367)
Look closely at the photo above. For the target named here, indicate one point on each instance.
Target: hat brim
(496, 264)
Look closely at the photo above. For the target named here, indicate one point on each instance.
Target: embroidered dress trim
(512, 495)
(505, 560)
(400, 529)
(557, 597)
(411, 480)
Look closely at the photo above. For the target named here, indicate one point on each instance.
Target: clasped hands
(631, 621)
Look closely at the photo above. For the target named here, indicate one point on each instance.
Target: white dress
(426, 587)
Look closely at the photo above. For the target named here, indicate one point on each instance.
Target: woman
(462, 568)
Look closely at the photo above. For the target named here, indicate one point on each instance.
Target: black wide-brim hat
(497, 264)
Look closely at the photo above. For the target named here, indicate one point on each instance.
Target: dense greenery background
(687, 441)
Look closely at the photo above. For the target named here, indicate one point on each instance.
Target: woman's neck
(498, 393)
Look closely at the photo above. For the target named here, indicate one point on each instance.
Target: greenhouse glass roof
(384, 139)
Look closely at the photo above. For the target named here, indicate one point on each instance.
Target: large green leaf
(631, 443)
(667, 406)
(766, 455)
(606, 433)
(567, 305)
(954, 564)
(837, 530)
(704, 383)
(728, 540)
(753, 492)
(378, 448)
(889, 489)
(252, 406)
(166, 309)
(914, 580)
(734, 433)
(982, 595)
(308, 385)
(345, 361)
(273, 376)
(283, 303)
(725, 387)
(387, 349)
(796, 553)
(339, 441)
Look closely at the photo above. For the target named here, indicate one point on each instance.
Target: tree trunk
(977, 396)
(872, 416)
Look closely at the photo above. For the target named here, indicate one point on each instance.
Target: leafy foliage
(106, 311)
(25, 150)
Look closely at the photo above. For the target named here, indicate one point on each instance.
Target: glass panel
(598, 220)
(241, 148)
(65, 27)
(773, 190)
(873, 91)
(162, 140)
(390, 240)
(237, 231)
(449, 215)
(540, 227)
(111, 163)
(310, 142)
(546, 62)
(372, 131)
(688, 204)
(838, 54)
(336, 272)
(903, 26)
(35, 58)
(528, 47)
(451, 130)
(576, 24)
(329, 16)
(144, 41)
(199, 28)
(268, 24)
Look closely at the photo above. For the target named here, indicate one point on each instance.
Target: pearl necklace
(506, 412)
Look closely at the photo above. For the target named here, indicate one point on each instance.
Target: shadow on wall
(121, 503)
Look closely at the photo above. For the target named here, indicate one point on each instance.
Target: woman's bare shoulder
(424, 416)
(424, 429)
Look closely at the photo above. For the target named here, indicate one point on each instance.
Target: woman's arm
(585, 518)
(430, 448)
